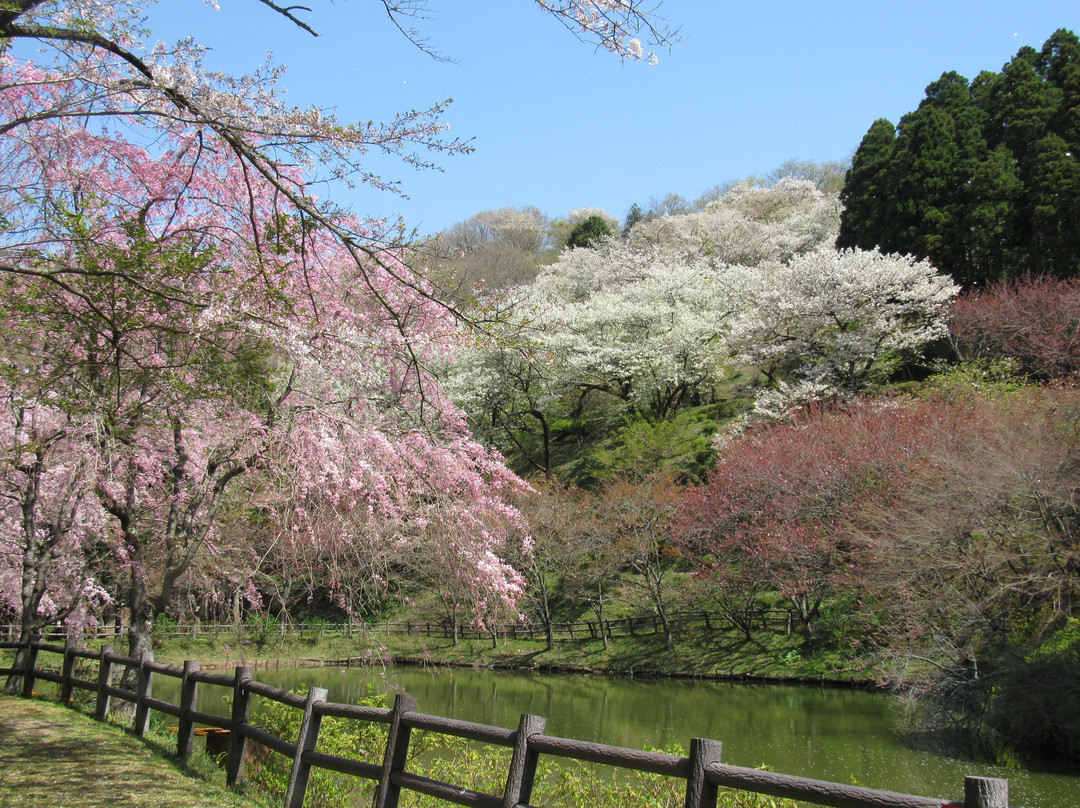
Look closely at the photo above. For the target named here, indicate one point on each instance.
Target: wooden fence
(702, 769)
(777, 619)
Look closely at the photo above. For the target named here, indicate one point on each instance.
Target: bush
(348, 738)
(164, 628)
(261, 628)
(1036, 705)
(1034, 320)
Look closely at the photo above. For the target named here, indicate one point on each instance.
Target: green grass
(57, 756)
(697, 652)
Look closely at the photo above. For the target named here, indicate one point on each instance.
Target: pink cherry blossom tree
(179, 297)
(191, 362)
(49, 522)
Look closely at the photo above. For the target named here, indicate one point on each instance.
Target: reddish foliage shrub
(956, 519)
(773, 511)
(1034, 320)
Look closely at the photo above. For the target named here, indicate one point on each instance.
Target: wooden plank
(700, 793)
(143, 689)
(101, 709)
(267, 739)
(500, 736)
(309, 737)
(357, 768)
(986, 792)
(820, 792)
(189, 691)
(275, 693)
(376, 715)
(162, 706)
(241, 714)
(655, 762)
(522, 774)
(396, 754)
(445, 791)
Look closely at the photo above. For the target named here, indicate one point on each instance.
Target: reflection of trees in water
(831, 734)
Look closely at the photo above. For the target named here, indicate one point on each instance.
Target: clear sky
(559, 125)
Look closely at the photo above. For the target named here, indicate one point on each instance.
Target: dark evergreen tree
(588, 231)
(1055, 208)
(984, 177)
(633, 216)
(866, 189)
(1059, 63)
(989, 220)
(919, 178)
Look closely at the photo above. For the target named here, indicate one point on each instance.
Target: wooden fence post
(519, 782)
(67, 689)
(700, 793)
(986, 792)
(189, 689)
(241, 714)
(309, 736)
(397, 753)
(143, 687)
(30, 665)
(104, 681)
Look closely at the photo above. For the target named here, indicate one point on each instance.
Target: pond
(845, 736)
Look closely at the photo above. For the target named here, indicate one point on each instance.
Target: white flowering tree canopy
(641, 325)
(661, 319)
(836, 318)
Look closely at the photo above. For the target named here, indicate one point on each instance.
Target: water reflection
(840, 735)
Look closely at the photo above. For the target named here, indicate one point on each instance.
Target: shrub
(1035, 708)
(164, 628)
(1034, 320)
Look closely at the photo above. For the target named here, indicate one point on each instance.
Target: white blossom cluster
(614, 24)
(836, 317)
(750, 281)
(749, 225)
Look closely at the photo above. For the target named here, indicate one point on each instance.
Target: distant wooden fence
(702, 770)
(778, 619)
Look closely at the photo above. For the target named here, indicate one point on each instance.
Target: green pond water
(839, 735)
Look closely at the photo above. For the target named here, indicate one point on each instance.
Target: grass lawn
(56, 756)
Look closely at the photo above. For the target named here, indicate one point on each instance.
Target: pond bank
(698, 654)
(744, 678)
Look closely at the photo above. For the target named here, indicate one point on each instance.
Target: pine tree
(866, 189)
(983, 178)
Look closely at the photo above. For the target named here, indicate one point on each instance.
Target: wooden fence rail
(702, 769)
(777, 619)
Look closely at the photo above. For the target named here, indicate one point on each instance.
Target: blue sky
(559, 125)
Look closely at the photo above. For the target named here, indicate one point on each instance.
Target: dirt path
(53, 757)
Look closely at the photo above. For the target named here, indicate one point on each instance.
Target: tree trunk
(545, 609)
(141, 630)
(807, 612)
(597, 607)
(22, 654)
(669, 641)
(655, 582)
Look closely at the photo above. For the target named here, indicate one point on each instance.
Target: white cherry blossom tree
(842, 319)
